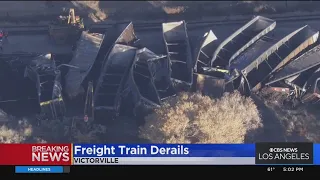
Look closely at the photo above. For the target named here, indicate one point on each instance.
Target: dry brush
(194, 118)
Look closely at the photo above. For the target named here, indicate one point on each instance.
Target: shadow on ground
(272, 130)
(284, 123)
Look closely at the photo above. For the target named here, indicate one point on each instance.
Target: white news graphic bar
(163, 160)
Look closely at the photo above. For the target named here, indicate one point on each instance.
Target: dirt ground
(286, 123)
(281, 123)
(151, 10)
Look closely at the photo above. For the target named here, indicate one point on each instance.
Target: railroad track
(22, 30)
(226, 21)
(147, 25)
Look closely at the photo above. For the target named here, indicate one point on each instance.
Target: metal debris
(312, 88)
(89, 104)
(47, 77)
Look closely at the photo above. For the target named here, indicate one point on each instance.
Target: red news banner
(35, 154)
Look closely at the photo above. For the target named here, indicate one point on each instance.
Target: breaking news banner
(285, 153)
(36, 154)
(164, 154)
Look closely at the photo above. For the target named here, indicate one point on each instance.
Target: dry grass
(73, 130)
(173, 10)
(55, 131)
(96, 14)
(194, 118)
(17, 135)
(300, 124)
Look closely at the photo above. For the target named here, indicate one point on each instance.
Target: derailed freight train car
(47, 79)
(255, 70)
(109, 88)
(240, 40)
(115, 34)
(17, 94)
(298, 71)
(141, 82)
(179, 52)
(241, 67)
(150, 79)
(126, 37)
(88, 47)
(290, 49)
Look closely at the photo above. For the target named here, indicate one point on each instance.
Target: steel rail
(147, 25)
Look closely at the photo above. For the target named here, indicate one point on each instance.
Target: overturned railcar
(205, 51)
(255, 70)
(17, 94)
(248, 60)
(240, 40)
(179, 52)
(141, 80)
(109, 88)
(47, 78)
(126, 37)
(299, 70)
(299, 42)
(84, 56)
(116, 34)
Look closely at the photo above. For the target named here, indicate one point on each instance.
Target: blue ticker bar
(316, 154)
(39, 169)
